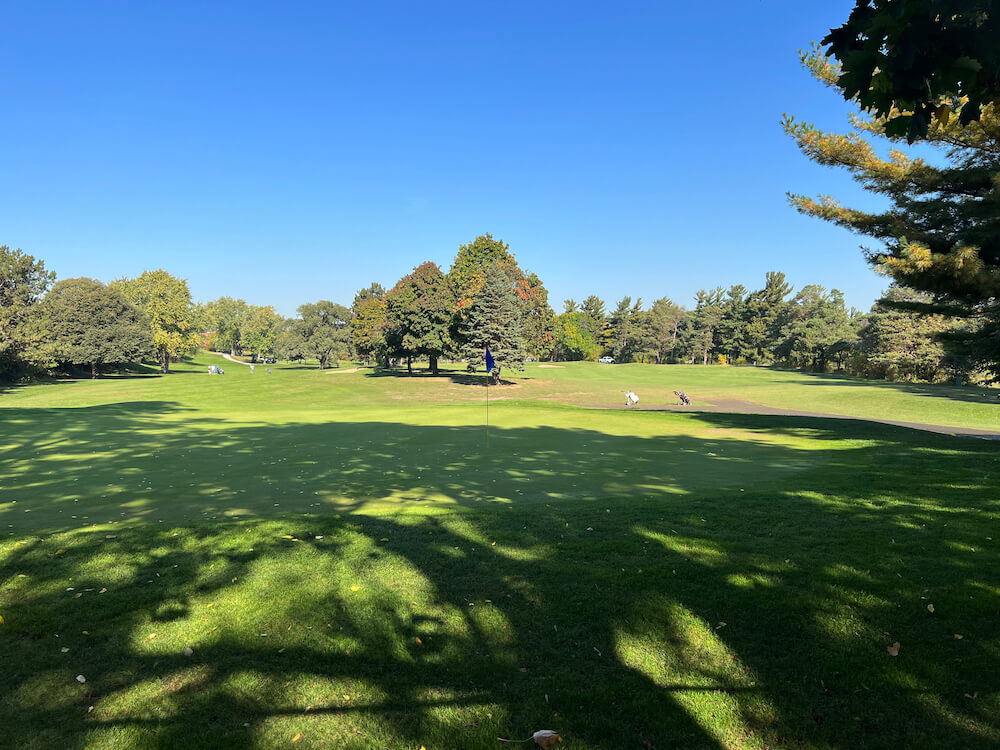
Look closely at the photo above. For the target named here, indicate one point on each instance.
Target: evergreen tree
(88, 323)
(903, 345)
(496, 320)
(661, 326)
(705, 320)
(570, 306)
(941, 233)
(419, 314)
(731, 337)
(816, 329)
(623, 329)
(763, 310)
(23, 282)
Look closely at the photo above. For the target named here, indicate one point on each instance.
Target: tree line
(485, 299)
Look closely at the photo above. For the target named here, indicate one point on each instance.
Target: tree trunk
(409, 365)
(164, 361)
(434, 365)
(322, 363)
(232, 352)
(93, 370)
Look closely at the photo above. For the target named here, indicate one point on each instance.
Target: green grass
(348, 561)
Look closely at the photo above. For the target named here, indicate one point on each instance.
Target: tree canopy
(324, 331)
(908, 61)
(166, 302)
(23, 282)
(419, 311)
(941, 233)
(87, 323)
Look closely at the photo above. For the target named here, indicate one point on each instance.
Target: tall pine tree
(495, 319)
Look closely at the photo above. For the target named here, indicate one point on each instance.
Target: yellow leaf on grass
(288, 536)
(930, 608)
(1, 619)
(297, 737)
(355, 588)
(893, 649)
(419, 642)
(957, 636)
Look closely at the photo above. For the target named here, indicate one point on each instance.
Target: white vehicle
(607, 360)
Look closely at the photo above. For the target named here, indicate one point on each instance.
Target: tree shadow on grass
(680, 612)
(457, 377)
(973, 394)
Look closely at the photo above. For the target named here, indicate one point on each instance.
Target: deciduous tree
(23, 282)
(87, 323)
(419, 313)
(166, 304)
(324, 329)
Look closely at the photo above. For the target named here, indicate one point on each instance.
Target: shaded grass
(711, 580)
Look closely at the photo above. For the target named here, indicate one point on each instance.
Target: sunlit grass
(359, 571)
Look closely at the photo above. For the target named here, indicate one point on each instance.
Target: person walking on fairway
(251, 369)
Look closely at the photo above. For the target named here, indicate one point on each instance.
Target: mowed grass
(351, 566)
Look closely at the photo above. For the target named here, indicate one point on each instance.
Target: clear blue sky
(286, 152)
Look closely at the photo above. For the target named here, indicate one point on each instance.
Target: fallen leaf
(419, 642)
(64, 650)
(957, 636)
(720, 625)
(187, 651)
(355, 588)
(973, 696)
(1, 619)
(81, 679)
(546, 738)
(893, 649)
(102, 591)
(930, 608)
(384, 539)
(297, 737)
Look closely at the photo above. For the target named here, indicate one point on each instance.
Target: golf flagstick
(489, 369)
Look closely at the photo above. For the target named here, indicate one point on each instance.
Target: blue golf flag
(489, 360)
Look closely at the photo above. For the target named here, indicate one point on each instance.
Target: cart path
(749, 407)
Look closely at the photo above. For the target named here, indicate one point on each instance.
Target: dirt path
(749, 407)
(231, 358)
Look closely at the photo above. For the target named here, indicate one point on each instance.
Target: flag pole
(489, 369)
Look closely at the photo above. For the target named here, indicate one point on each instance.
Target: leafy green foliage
(166, 304)
(495, 319)
(419, 310)
(259, 331)
(23, 282)
(901, 59)
(816, 328)
(227, 316)
(87, 323)
(368, 328)
(575, 339)
(942, 230)
(323, 330)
